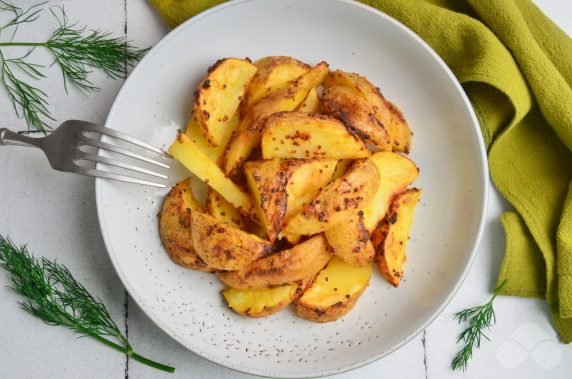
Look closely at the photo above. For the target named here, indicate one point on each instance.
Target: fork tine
(119, 150)
(127, 138)
(116, 163)
(114, 176)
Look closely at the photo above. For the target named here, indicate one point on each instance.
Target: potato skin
(281, 187)
(274, 73)
(311, 104)
(263, 302)
(249, 133)
(218, 97)
(384, 110)
(223, 247)
(349, 107)
(322, 314)
(175, 228)
(396, 173)
(301, 135)
(288, 266)
(334, 291)
(337, 201)
(391, 236)
(350, 241)
(267, 182)
(222, 210)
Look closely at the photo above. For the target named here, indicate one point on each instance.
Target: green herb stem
(53, 295)
(480, 318)
(29, 44)
(129, 351)
(151, 363)
(76, 51)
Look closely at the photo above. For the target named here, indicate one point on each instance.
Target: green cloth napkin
(516, 68)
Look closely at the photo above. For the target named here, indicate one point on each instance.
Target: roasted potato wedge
(391, 236)
(215, 153)
(293, 239)
(367, 90)
(267, 183)
(342, 167)
(298, 204)
(219, 95)
(263, 301)
(311, 103)
(223, 247)
(191, 156)
(175, 227)
(288, 266)
(260, 302)
(223, 211)
(350, 241)
(304, 136)
(384, 110)
(333, 292)
(274, 73)
(337, 201)
(307, 178)
(282, 187)
(399, 131)
(396, 173)
(249, 133)
(347, 105)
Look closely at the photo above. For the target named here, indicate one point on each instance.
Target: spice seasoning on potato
(299, 199)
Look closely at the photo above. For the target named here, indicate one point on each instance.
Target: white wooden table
(55, 214)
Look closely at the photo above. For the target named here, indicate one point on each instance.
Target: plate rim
(321, 373)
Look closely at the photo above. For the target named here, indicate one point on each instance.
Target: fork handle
(8, 137)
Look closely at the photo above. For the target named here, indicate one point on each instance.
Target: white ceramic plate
(447, 146)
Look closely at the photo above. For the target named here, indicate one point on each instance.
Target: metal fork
(63, 148)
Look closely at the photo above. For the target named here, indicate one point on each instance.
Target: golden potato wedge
(301, 135)
(399, 130)
(223, 247)
(337, 201)
(364, 88)
(274, 73)
(333, 292)
(311, 103)
(223, 211)
(288, 266)
(263, 301)
(175, 227)
(307, 178)
(282, 187)
(342, 167)
(219, 95)
(267, 183)
(347, 105)
(191, 156)
(215, 153)
(350, 241)
(247, 137)
(260, 302)
(396, 174)
(384, 110)
(391, 236)
(293, 239)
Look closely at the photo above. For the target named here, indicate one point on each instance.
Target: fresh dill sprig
(481, 319)
(28, 101)
(76, 51)
(57, 298)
